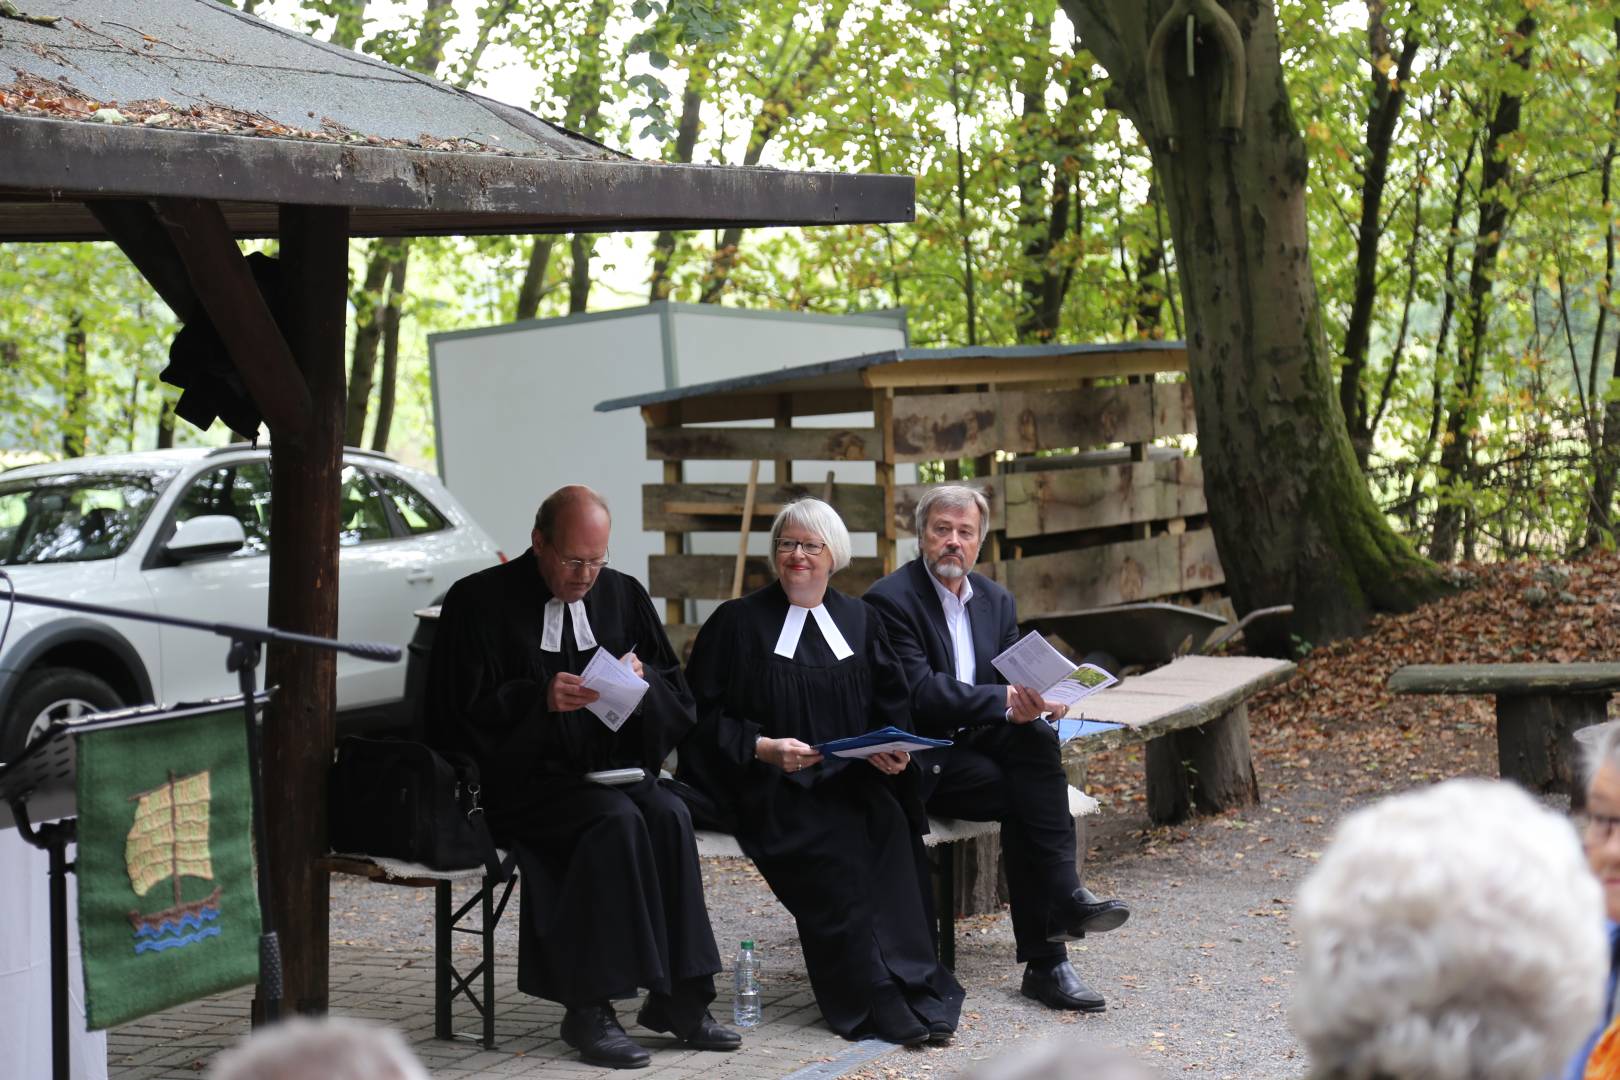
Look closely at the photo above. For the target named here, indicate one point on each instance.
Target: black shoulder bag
(405, 800)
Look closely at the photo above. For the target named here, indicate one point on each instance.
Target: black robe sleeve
(720, 732)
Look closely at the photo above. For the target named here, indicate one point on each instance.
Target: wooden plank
(746, 444)
(718, 507)
(674, 610)
(135, 228)
(1038, 369)
(723, 408)
(883, 415)
(932, 426)
(224, 286)
(1184, 693)
(1110, 574)
(1067, 500)
(747, 527)
(708, 577)
(1572, 678)
(907, 495)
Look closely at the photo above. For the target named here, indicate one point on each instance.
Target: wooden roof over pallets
(1114, 520)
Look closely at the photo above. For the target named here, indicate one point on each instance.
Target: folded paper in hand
(1032, 662)
(1073, 728)
(619, 689)
(882, 741)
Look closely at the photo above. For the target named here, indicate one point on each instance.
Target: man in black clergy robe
(612, 894)
(946, 624)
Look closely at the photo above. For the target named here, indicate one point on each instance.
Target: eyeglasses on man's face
(784, 546)
(1596, 828)
(590, 566)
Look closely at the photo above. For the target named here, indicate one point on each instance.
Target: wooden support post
(135, 228)
(747, 527)
(230, 297)
(1201, 770)
(888, 547)
(299, 731)
(674, 609)
(1535, 738)
(784, 419)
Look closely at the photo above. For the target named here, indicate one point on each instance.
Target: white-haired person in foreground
(329, 1049)
(1599, 1057)
(1452, 933)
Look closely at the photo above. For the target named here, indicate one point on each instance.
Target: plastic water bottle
(745, 1002)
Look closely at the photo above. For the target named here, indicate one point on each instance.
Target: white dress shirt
(959, 627)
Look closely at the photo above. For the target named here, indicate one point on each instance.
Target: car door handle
(418, 576)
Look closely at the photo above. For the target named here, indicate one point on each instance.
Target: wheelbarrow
(1145, 635)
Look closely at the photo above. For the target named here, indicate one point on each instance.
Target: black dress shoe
(1059, 986)
(893, 1021)
(1081, 914)
(707, 1035)
(939, 1031)
(594, 1031)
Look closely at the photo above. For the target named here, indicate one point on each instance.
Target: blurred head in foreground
(1060, 1059)
(331, 1049)
(1600, 824)
(1452, 933)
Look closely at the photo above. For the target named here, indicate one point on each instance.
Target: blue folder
(1075, 728)
(875, 738)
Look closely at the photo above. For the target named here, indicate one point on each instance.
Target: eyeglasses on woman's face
(1596, 829)
(784, 546)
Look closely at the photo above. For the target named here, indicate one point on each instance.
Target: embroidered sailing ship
(169, 842)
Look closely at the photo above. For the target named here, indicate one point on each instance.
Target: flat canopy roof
(936, 367)
(215, 104)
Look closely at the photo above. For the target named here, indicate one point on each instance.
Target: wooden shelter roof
(934, 367)
(223, 106)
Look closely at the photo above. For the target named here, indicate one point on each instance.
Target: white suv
(186, 532)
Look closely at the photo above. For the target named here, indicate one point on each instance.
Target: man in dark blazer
(946, 623)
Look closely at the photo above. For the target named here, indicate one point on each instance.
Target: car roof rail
(363, 452)
(359, 451)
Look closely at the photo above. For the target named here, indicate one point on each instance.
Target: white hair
(953, 497)
(333, 1048)
(1452, 933)
(818, 519)
(1600, 746)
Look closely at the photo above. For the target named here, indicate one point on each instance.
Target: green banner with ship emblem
(167, 907)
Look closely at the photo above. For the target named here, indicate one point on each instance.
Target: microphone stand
(243, 657)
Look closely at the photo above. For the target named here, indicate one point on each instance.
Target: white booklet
(1032, 662)
(619, 689)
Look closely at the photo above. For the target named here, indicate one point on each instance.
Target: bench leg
(441, 960)
(1205, 769)
(945, 942)
(490, 884)
(1535, 738)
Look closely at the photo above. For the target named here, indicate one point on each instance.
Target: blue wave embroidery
(190, 919)
(175, 943)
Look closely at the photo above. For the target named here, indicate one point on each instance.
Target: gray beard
(946, 571)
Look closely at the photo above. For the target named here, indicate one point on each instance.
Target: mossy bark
(1292, 515)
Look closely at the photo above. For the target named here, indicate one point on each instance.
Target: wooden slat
(708, 577)
(1066, 500)
(906, 496)
(932, 426)
(746, 444)
(1571, 678)
(955, 372)
(1185, 693)
(1111, 574)
(718, 507)
(721, 408)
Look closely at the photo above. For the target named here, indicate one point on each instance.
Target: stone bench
(1539, 707)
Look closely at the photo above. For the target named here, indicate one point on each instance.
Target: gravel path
(1197, 981)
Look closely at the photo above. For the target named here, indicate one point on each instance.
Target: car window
(74, 517)
(241, 491)
(415, 511)
(361, 516)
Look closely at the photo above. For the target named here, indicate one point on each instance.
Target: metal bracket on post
(1234, 75)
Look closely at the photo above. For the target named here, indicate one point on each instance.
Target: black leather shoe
(893, 1021)
(594, 1031)
(707, 1035)
(940, 1032)
(1059, 986)
(1081, 914)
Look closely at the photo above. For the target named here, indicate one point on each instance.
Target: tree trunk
(1606, 455)
(368, 303)
(579, 273)
(1388, 96)
(1495, 173)
(1292, 516)
(534, 278)
(390, 347)
(165, 427)
(75, 386)
(686, 134)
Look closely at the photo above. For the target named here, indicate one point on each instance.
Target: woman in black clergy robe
(838, 840)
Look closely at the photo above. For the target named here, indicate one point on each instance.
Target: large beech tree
(1291, 512)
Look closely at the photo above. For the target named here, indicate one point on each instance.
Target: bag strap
(467, 775)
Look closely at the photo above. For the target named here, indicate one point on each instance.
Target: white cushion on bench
(719, 845)
(399, 868)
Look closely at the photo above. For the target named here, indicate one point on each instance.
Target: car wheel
(52, 694)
